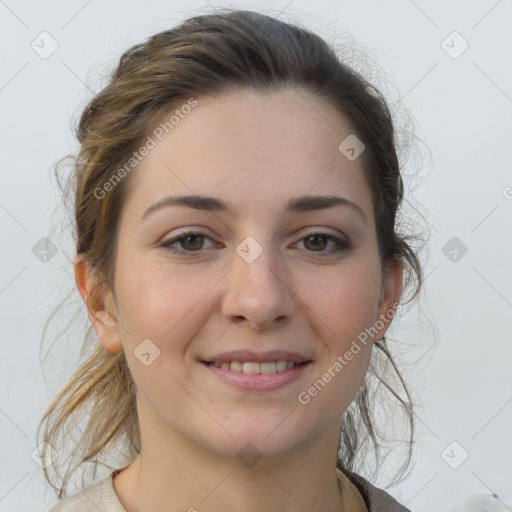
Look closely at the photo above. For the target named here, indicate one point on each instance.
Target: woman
(235, 199)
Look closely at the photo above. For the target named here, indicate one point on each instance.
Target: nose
(257, 293)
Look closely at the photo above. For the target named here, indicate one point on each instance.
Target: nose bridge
(256, 291)
(255, 266)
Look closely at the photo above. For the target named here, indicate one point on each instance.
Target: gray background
(455, 345)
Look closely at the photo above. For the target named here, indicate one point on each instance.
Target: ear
(389, 297)
(100, 306)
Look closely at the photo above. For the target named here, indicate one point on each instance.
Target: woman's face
(277, 271)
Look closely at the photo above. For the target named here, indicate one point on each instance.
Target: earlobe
(100, 306)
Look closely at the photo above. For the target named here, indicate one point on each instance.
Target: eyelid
(341, 242)
(321, 230)
(183, 233)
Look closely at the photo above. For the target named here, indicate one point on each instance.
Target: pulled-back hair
(209, 54)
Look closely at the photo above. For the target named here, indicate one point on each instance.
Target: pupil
(315, 239)
(189, 239)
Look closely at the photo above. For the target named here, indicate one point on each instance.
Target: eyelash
(341, 245)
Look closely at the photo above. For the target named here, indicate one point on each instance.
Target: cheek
(345, 302)
(165, 307)
(344, 312)
(161, 304)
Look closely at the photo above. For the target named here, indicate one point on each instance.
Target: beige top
(359, 494)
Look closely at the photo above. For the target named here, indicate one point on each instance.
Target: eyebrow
(212, 204)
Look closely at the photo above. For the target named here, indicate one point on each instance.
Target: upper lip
(246, 356)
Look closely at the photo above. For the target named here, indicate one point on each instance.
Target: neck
(214, 489)
(180, 476)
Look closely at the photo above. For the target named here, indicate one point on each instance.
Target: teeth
(236, 367)
(268, 367)
(281, 366)
(255, 368)
(251, 368)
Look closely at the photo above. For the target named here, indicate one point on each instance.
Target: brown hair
(204, 55)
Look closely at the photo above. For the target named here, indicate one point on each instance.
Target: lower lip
(258, 381)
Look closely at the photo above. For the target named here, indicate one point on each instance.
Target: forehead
(250, 146)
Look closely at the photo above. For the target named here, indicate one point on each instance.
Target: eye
(189, 241)
(317, 242)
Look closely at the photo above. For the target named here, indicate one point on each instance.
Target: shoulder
(375, 499)
(97, 496)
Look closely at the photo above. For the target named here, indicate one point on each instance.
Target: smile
(255, 376)
(253, 367)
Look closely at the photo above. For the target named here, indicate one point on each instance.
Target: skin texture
(256, 150)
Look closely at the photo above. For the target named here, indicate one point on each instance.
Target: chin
(264, 434)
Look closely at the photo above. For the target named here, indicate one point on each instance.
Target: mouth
(257, 372)
(255, 368)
